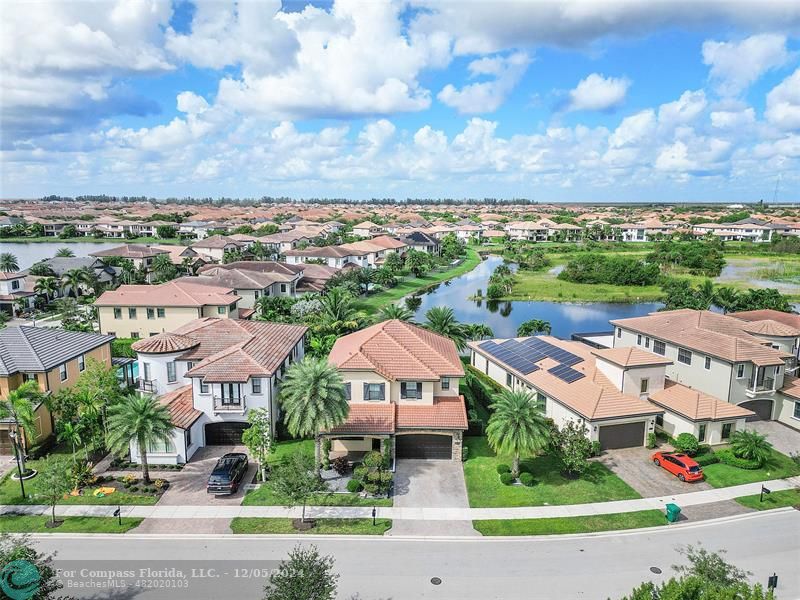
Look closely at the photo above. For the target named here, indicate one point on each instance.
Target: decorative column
(458, 443)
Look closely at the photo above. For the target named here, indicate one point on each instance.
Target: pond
(505, 316)
(28, 253)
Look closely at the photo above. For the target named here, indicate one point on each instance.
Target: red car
(679, 464)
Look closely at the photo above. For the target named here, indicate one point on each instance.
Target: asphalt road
(590, 566)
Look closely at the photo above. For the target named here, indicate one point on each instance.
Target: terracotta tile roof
(130, 251)
(398, 350)
(240, 279)
(696, 405)
(771, 328)
(180, 292)
(707, 332)
(631, 357)
(791, 387)
(790, 319)
(216, 242)
(368, 417)
(181, 408)
(178, 253)
(5, 276)
(446, 412)
(164, 343)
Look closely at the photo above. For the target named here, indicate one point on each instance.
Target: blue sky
(555, 101)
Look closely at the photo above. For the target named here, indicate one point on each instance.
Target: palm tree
(8, 262)
(706, 293)
(71, 433)
(313, 398)
(394, 311)
(478, 331)
(64, 253)
(127, 273)
(140, 419)
(75, 278)
(751, 445)
(726, 298)
(163, 269)
(516, 426)
(338, 312)
(534, 326)
(442, 320)
(46, 286)
(19, 406)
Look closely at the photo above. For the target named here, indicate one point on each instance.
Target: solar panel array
(522, 356)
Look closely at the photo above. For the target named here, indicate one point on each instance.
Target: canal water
(505, 316)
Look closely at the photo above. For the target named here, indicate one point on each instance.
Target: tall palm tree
(75, 278)
(442, 320)
(20, 407)
(140, 419)
(8, 262)
(162, 267)
(313, 398)
(127, 272)
(47, 287)
(64, 253)
(72, 434)
(534, 326)
(706, 293)
(338, 312)
(478, 331)
(516, 426)
(394, 311)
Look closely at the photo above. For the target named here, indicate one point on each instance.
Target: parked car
(227, 474)
(680, 465)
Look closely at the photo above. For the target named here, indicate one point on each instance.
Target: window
(639, 339)
(134, 335)
(647, 342)
(161, 447)
(220, 310)
(82, 363)
(508, 380)
(162, 312)
(659, 347)
(726, 430)
(117, 313)
(619, 332)
(203, 387)
(189, 365)
(644, 385)
(445, 383)
(660, 420)
(740, 371)
(151, 313)
(131, 313)
(796, 414)
(62, 372)
(255, 294)
(348, 391)
(28, 377)
(189, 438)
(411, 390)
(283, 288)
(172, 377)
(701, 433)
(684, 356)
(256, 384)
(374, 391)
(541, 402)
(777, 370)
(15, 284)
(707, 363)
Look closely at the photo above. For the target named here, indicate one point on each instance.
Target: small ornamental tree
(307, 575)
(258, 438)
(296, 479)
(55, 480)
(573, 447)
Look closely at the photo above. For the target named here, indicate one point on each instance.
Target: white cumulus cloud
(736, 65)
(487, 96)
(597, 92)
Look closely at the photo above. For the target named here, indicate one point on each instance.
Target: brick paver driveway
(634, 467)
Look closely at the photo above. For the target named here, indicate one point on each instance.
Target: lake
(505, 316)
(32, 252)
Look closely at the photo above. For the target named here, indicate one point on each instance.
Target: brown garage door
(225, 434)
(424, 446)
(5, 443)
(762, 408)
(627, 435)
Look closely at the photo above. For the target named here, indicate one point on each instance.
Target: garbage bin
(673, 510)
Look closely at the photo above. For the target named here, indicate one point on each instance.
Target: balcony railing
(226, 404)
(147, 385)
(764, 387)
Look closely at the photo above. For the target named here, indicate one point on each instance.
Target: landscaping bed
(562, 525)
(777, 466)
(777, 499)
(38, 524)
(249, 525)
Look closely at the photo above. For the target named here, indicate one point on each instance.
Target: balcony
(225, 404)
(149, 386)
(756, 389)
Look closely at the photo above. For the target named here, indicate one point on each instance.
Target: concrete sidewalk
(411, 513)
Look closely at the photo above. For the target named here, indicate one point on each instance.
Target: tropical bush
(751, 446)
(527, 479)
(354, 486)
(727, 457)
(687, 443)
(503, 469)
(506, 478)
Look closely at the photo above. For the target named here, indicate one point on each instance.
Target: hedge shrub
(354, 486)
(686, 442)
(727, 457)
(506, 478)
(503, 469)
(527, 479)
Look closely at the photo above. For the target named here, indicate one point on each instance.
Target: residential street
(583, 566)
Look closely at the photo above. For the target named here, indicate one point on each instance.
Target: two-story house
(14, 294)
(248, 284)
(138, 311)
(214, 247)
(54, 359)
(140, 255)
(402, 384)
(210, 373)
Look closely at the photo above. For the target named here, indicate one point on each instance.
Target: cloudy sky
(618, 100)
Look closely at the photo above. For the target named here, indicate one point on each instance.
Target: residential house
(15, 294)
(366, 253)
(216, 246)
(402, 384)
(136, 311)
(367, 229)
(210, 373)
(185, 258)
(140, 255)
(731, 232)
(421, 242)
(313, 277)
(284, 241)
(54, 359)
(249, 285)
(58, 266)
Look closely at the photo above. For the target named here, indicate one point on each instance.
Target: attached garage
(762, 408)
(5, 442)
(225, 434)
(625, 435)
(439, 447)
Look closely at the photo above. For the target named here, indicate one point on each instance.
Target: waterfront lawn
(37, 524)
(562, 525)
(545, 286)
(777, 499)
(778, 466)
(251, 525)
(410, 284)
(484, 488)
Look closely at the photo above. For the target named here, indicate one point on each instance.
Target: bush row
(727, 457)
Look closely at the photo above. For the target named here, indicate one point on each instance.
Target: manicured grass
(410, 284)
(561, 525)
(778, 466)
(774, 500)
(248, 525)
(36, 524)
(484, 489)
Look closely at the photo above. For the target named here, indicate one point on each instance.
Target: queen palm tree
(128, 272)
(442, 320)
(72, 434)
(46, 286)
(8, 262)
(751, 445)
(338, 312)
(75, 278)
(163, 269)
(141, 419)
(313, 398)
(534, 326)
(516, 426)
(394, 311)
(20, 407)
(478, 331)
(64, 253)
(726, 298)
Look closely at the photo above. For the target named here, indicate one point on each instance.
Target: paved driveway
(634, 467)
(188, 486)
(785, 439)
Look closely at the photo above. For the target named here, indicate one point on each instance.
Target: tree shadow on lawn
(549, 470)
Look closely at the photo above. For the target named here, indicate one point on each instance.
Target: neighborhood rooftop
(38, 349)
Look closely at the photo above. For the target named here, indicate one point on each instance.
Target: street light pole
(13, 435)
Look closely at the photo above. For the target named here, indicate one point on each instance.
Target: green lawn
(774, 500)
(778, 466)
(560, 525)
(598, 484)
(410, 284)
(36, 524)
(245, 525)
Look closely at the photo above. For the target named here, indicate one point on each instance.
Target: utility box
(673, 511)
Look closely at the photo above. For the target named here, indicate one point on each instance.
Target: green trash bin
(673, 510)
